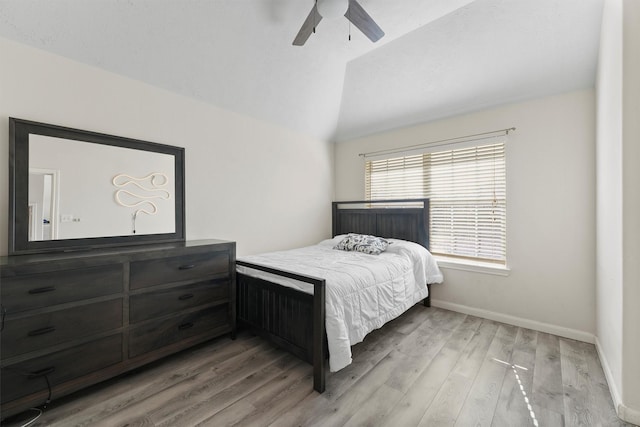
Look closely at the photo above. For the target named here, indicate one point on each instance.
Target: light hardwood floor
(430, 367)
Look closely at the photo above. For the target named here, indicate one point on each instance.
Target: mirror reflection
(81, 190)
(43, 224)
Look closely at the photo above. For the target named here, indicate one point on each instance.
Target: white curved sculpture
(155, 181)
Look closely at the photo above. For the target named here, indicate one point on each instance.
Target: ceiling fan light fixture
(350, 9)
(332, 8)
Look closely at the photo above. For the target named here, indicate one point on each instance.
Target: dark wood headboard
(384, 218)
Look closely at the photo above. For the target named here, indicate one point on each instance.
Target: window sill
(475, 266)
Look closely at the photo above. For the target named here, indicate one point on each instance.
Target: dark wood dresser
(70, 320)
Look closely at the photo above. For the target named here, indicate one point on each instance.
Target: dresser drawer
(158, 303)
(31, 376)
(40, 331)
(187, 267)
(168, 331)
(46, 289)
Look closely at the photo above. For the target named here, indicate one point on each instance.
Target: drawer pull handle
(187, 267)
(41, 331)
(42, 290)
(185, 297)
(185, 326)
(41, 372)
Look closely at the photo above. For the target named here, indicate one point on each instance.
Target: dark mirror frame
(18, 239)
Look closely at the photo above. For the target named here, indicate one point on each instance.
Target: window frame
(477, 159)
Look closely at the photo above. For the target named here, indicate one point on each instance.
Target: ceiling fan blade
(308, 26)
(361, 19)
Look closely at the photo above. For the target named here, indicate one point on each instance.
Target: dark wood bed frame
(295, 320)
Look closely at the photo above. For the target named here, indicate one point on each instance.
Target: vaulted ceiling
(438, 57)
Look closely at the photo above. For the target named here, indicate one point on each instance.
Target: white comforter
(363, 291)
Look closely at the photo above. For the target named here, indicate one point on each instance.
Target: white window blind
(467, 191)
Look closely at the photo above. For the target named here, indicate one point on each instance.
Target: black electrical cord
(46, 402)
(3, 314)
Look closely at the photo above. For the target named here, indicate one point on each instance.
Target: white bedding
(363, 292)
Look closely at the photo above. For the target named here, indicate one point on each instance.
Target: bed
(301, 308)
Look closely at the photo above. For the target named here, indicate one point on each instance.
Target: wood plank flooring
(430, 367)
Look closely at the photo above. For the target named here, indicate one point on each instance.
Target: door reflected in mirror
(43, 204)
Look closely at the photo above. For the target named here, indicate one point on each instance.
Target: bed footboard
(291, 319)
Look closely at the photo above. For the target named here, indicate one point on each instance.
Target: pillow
(363, 243)
(332, 242)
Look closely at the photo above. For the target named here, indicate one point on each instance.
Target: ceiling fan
(354, 13)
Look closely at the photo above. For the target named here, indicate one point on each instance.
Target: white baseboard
(613, 388)
(517, 321)
(625, 413)
(628, 414)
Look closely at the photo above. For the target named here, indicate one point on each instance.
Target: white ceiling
(438, 57)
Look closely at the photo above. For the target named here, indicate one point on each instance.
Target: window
(467, 191)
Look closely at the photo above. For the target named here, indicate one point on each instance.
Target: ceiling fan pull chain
(314, 19)
(349, 19)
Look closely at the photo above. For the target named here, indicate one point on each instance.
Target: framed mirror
(72, 189)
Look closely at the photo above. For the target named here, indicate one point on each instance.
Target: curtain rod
(439, 142)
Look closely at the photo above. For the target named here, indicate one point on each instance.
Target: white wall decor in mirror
(62, 189)
(142, 194)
